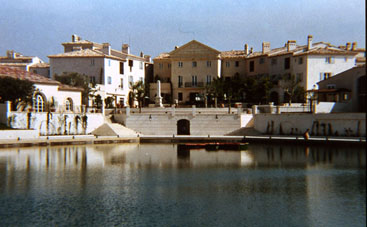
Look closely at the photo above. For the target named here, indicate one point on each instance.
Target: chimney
(75, 38)
(266, 47)
(176, 47)
(309, 42)
(141, 54)
(251, 49)
(106, 48)
(347, 46)
(354, 45)
(125, 48)
(147, 58)
(10, 54)
(291, 45)
(246, 49)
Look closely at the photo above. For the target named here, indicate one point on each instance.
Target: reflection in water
(169, 184)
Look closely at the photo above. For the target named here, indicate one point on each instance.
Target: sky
(38, 27)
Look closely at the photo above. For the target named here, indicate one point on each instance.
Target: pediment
(194, 49)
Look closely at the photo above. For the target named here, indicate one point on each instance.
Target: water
(167, 185)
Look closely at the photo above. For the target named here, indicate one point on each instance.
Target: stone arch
(39, 102)
(69, 104)
(183, 127)
(274, 97)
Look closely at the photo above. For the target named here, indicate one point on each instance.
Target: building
(112, 70)
(62, 97)
(187, 69)
(28, 63)
(348, 88)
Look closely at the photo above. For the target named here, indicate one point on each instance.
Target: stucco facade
(110, 69)
(309, 63)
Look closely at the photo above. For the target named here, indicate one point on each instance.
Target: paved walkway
(91, 139)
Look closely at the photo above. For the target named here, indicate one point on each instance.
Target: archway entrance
(274, 97)
(183, 127)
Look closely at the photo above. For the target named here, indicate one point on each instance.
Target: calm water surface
(167, 185)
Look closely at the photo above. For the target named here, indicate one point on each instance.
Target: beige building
(28, 63)
(187, 69)
(112, 70)
(348, 87)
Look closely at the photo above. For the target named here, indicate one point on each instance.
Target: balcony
(198, 85)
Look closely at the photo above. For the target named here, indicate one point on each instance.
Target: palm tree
(137, 92)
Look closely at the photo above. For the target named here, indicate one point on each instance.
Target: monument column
(158, 98)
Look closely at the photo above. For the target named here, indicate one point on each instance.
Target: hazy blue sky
(38, 27)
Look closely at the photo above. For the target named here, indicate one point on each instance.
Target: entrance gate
(183, 127)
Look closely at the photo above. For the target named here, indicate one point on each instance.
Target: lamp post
(313, 98)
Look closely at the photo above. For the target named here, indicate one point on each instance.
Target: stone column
(158, 98)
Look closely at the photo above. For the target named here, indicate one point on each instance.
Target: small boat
(217, 146)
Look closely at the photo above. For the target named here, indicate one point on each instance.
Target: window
(121, 68)
(237, 63)
(330, 60)
(169, 65)
(109, 80)
(38, 103)
(331, 86)
(194, 81)
(300, 60)
(299, 77)
(273, 61)
(109, 62)
(324, 76)
(131, 64)
(180, 81)
(180, 96)
(345, 96)
(131, 81)
(160, 65)
(140, 65)
(92, 79)
(194, 64)
(208, 64)
(262, 60)
(69, 104)
(91, 61)
(208, 79)
(227, 64)
(122, 83)
(287, 63)
(252, 66)
(180, 64)
(34, 71)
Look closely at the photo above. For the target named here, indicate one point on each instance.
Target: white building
(63, 98)
(110, 69)
(28, 63)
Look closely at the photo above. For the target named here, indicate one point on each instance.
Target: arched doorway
(274, 97)
(39, 101)
(69, 104)
(183, 127)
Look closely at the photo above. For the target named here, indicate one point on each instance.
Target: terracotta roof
(162, 56)
(33, 77)
(79, 53)
(78, 42)
(326, 51)
(17, 58)
(361, 59)
(40, 65)
(25, 75)
(233, 54)
(14, 64)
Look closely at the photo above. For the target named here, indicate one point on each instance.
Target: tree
(290, 84)
(78, 80)
(19, 92)
(137, 93)
(216, 89)
(109, 102)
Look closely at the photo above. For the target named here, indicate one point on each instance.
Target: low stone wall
(331, 124)
(21, 134)
(166, 124)
(56, 123)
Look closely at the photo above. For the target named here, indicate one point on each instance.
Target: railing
(190, 84)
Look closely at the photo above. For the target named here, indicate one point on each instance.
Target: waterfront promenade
(91, 139)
